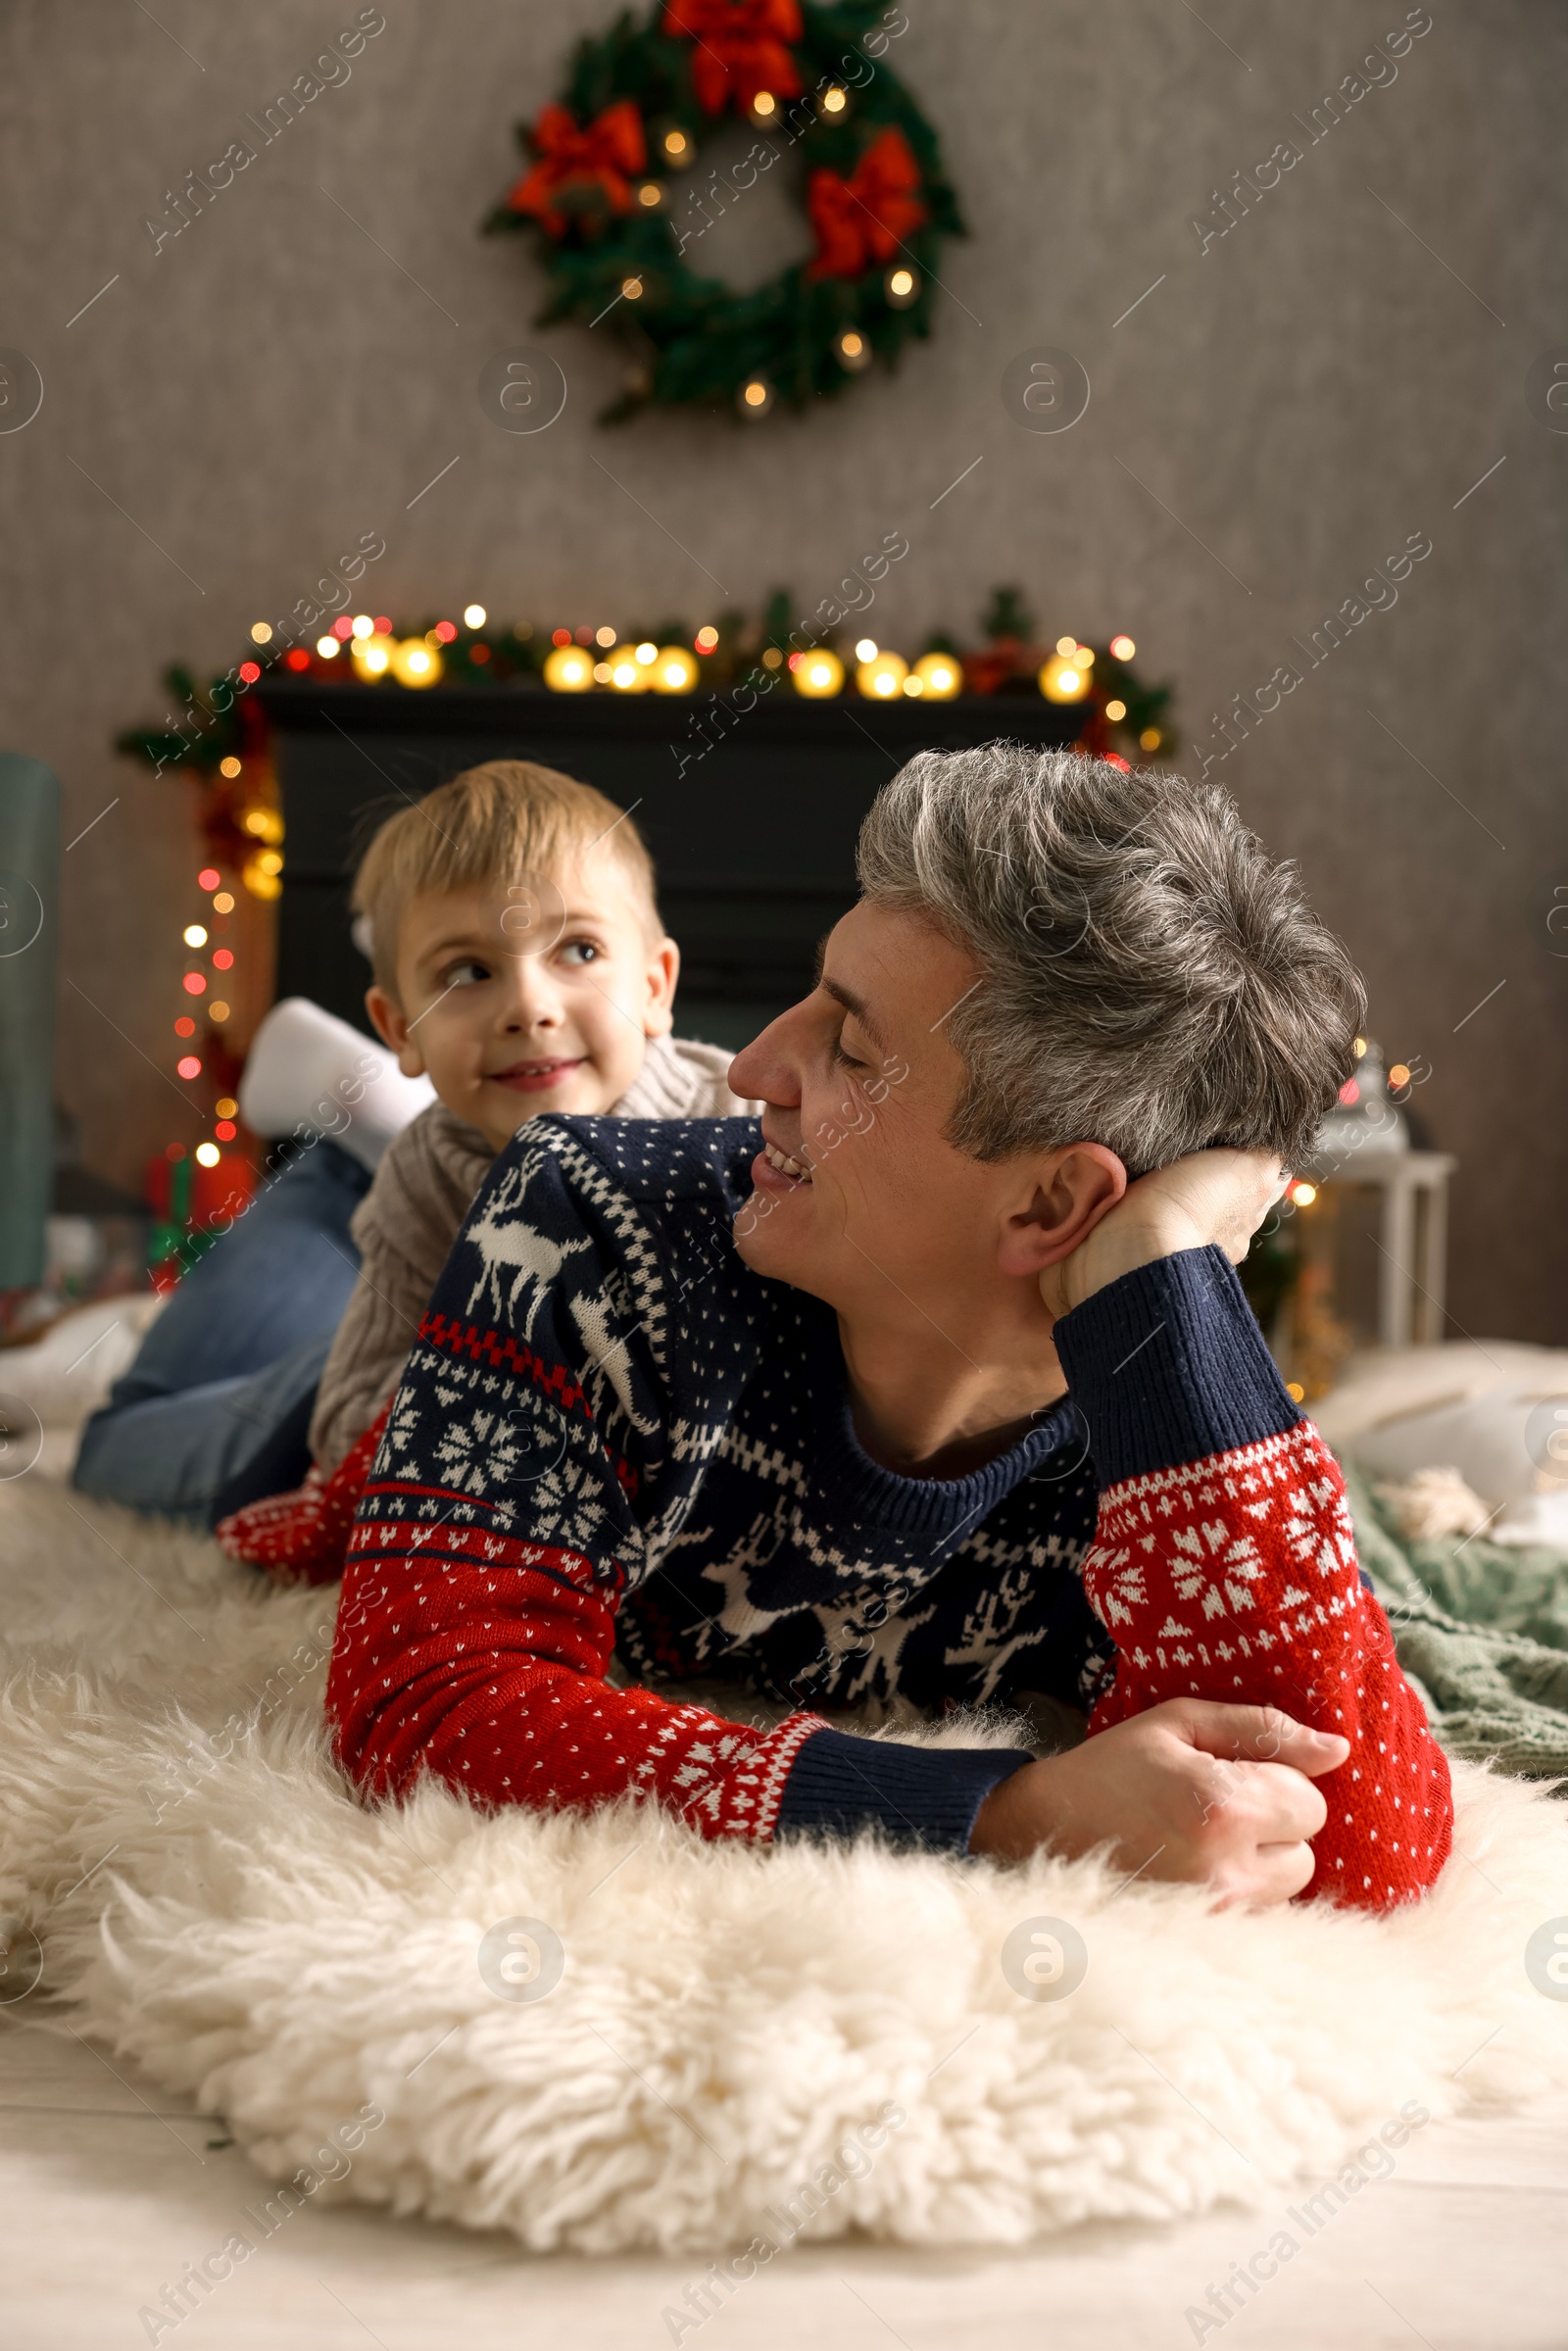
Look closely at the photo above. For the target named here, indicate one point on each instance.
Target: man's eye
(845, 1060)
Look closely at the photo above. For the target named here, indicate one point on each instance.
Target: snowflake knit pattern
(612, 1438)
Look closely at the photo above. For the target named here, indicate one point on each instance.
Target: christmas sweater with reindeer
(618, 1456)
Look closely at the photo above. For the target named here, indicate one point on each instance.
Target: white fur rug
(740, 2043)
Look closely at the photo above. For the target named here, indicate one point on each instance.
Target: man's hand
(1193, 1791)
(1218, 1196)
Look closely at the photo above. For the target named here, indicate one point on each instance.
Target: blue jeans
(235, 1357)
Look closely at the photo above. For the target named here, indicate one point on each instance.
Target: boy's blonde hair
(493, 823)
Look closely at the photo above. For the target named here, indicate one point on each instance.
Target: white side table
(1412, 1236)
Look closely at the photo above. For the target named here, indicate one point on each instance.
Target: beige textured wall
(1323, 381)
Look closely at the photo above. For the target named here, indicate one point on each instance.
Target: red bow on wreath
(741, 47)
(601, 155)
(862, 220)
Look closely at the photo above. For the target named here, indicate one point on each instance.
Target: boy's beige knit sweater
(409, 1219)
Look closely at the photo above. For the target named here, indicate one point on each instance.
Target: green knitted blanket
(1482, 1629)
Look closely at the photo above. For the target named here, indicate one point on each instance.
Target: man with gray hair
(945, 1395)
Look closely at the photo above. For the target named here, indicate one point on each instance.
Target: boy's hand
(1193, 1791)
(1213, 1195)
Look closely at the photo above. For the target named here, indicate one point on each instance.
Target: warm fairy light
(764, 108)
(189, 1066)
(226, 1130)
(1398, 1075)
(1303, 1195)
(266, 823)
(223, 903)
(383, 627)
(560, 636)
(208, 1154)
(267, 861)
(185, 1026)
(772, 658)
(1360, 1048)
(416, 664)
(342, 626)
(900, 287)
(602, 672)
(818, 674)
(1061, 680)
(217, 1011)
(194, 935)
(223, 959)
(605, 636)
(1123, 647)
(940, 676)
(250, 671)
(362, 625)
(834, 99)
(373, 655)
(914, 685)
(1151, 738)
(650, 194)
(1115, 709)
(627, 672)
(882, 678)
(631, 288)
(852, 349)
(229, 768)
(207, 878)
(225, 1105)
(194, 982)
(261, 874)
(755, 396)
(1084, 657)
(328, 648)
(1296, 1392)
(445, 631)
(1349, 1093)
(674, 671)
(475, 615)
(1066, 647)
(706, 639)
(260, 632)
(676, 145)
(647, 652)
(866, 650)
(568, 670)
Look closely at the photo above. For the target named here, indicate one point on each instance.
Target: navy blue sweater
(613, 1437)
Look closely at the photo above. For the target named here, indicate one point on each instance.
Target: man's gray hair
(1150, 978)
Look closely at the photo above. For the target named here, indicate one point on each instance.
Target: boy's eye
(464, 974)
(582, 951)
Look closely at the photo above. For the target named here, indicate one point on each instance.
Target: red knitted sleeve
(1235, 1578)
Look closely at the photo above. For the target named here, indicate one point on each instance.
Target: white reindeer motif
(513, 1255)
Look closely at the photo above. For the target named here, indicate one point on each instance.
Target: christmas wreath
(612, 193)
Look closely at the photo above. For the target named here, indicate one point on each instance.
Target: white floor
(108, 2189)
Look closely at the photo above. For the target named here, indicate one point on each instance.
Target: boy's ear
(1065, 1199)
(389, 1025)
(662, 973)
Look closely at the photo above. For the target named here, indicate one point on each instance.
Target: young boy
(519, 964)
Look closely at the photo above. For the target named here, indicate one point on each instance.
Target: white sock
(308, 1070)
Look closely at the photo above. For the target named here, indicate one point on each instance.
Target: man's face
(540, 998)
(886, 1220)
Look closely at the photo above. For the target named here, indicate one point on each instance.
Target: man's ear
(661, 974)
(1068, 1196)
(389, 1025)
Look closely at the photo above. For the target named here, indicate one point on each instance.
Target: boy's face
(538, 997)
